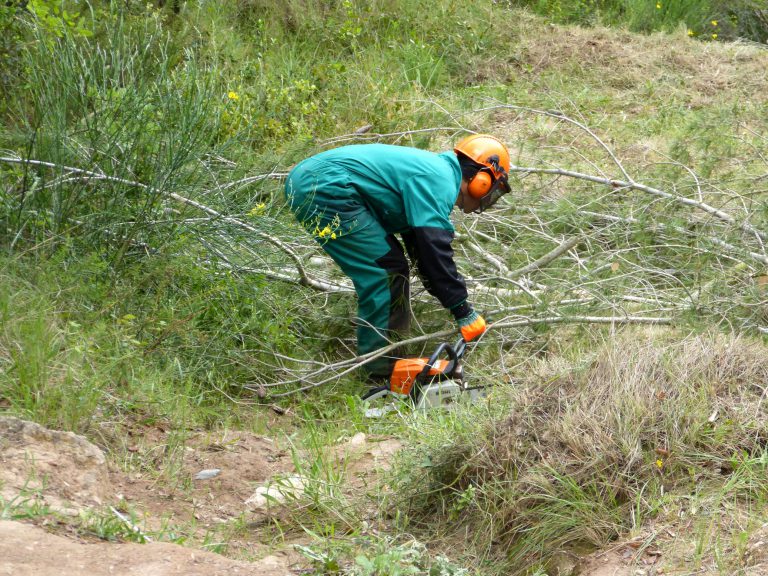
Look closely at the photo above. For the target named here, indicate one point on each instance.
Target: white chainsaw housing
(438, 394)
(435, 395)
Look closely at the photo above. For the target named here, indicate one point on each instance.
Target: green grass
(77, 347)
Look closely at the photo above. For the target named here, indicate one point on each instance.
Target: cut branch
(724, 216)
(547, 258)
(304, 278)
(347, 366)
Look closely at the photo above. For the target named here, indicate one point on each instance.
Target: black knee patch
(396, 265)
(394, 261)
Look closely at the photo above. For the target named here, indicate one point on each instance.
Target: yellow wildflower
(714, 36)
(658, 5)
(232, 95)
(659, 463)
(257, 210)
(333, 235)
(714, 22)
(690, 32)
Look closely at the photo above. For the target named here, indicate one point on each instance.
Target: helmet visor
(499, 188)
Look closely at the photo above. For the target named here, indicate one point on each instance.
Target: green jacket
(409, 191)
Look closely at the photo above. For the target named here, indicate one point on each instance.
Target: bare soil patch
(67, 474)
(243, 461)
(364, 457)
(31, 551)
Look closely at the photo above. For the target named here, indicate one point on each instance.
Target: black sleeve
(431, 250)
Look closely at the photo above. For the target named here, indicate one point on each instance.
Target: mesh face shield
(499, 188)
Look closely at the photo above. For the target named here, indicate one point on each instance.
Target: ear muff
(480, 184)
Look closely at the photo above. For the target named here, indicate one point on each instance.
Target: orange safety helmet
(493, 156)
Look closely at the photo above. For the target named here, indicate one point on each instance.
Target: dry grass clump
(699, 72)
(585, 452)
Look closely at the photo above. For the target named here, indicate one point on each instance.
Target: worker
(355, 199)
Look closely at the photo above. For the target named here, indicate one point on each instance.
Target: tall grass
(78, 346)
(41, 374)
(117, 104)
(584, 453)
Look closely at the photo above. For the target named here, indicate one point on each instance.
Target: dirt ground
(243, 461)
(31, 551)
(67, 474)
(216, 475)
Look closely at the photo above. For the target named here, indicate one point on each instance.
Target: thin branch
(304, 278)
(725, 217)
(547, 258)
(722, 243)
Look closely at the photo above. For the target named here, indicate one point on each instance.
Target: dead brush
(585, 452)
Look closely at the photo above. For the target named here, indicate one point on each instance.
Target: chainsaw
(424, 383)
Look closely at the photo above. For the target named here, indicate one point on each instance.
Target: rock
(207, 474)
(61, 470)
(276, 492)
(353, 448)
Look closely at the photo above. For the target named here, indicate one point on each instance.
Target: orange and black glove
(471, 326)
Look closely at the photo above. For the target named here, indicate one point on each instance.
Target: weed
(380, 557)
(26, 505)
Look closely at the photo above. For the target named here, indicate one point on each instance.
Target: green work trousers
(328, 206)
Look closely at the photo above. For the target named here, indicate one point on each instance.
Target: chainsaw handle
(374, 391)
(455, 353)
(460, 347)
(436, 356)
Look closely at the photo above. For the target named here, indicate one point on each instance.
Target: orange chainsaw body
(406, 370)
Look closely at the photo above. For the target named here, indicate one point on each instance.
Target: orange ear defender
(480, 184)
(493, 156)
